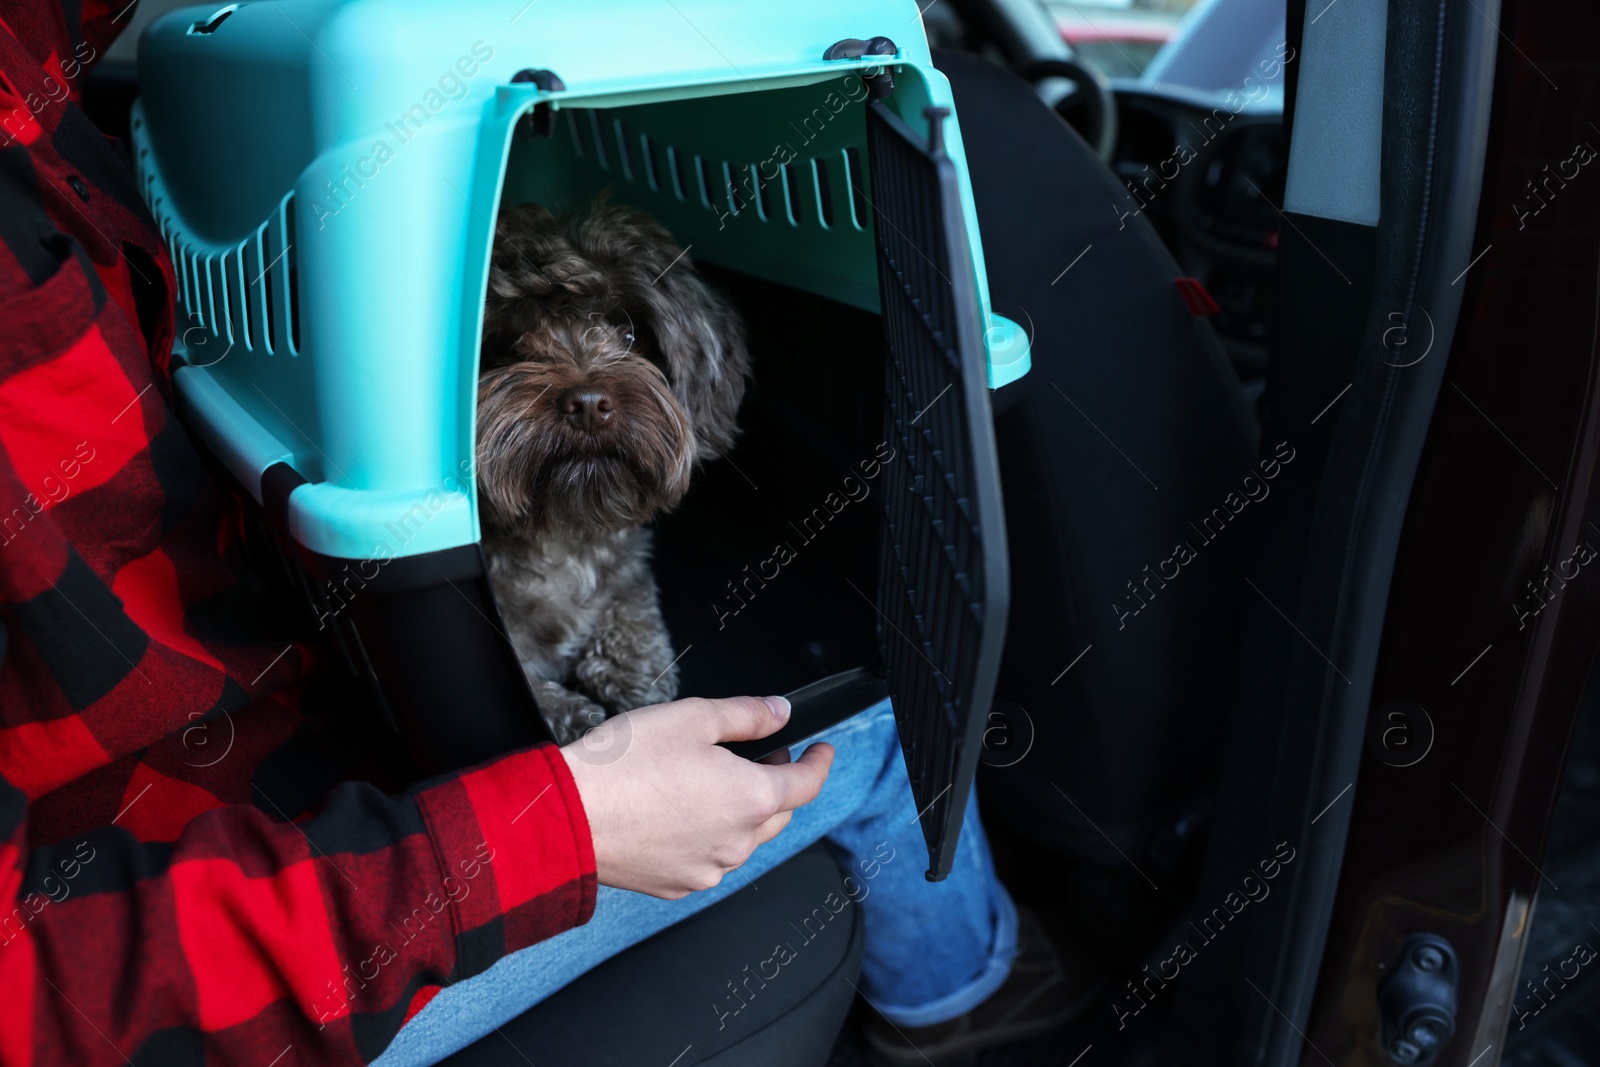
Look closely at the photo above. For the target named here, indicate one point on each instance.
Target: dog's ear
(702, 339)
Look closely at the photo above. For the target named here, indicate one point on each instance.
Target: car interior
(1189, 343)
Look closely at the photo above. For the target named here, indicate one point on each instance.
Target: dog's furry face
(609, 370)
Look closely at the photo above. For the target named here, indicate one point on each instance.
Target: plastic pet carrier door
(942, 588)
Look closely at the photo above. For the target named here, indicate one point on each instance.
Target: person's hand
(674, 812)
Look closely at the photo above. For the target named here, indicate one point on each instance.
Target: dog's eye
(642, 344)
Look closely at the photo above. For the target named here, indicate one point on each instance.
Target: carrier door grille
(942, 589)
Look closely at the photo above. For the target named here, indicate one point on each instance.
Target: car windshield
(1207, 45)
(1119, 37)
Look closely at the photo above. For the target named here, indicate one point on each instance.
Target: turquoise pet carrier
(327, 174)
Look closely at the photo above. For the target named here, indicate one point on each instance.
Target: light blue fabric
(866, 811)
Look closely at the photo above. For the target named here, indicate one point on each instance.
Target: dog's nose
(586, 406)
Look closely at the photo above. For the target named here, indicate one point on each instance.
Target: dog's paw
(637, 667)
(569, 715)
(569, 730)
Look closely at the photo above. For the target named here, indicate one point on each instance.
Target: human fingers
(741, 718)
(799, 782)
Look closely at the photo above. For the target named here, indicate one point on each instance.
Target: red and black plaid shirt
(183, 877)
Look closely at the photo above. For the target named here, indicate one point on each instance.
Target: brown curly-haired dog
(609, 370)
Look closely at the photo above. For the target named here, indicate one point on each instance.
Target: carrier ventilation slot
(230, 293)
(759, 184)
(791, 193)
(855, 176)
(815, 190)
(245, 296)
(291, 276)
(731, 184)
(622, 150)
(678, 183)
(572, 127)
(599, 141)
(819, 175)
(647, 154)
(702, 182)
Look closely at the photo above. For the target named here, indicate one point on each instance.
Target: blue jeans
(866, 812)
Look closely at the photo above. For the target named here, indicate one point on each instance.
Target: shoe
(1039, 995)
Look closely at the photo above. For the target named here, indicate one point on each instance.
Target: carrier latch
(879, 82)
(539, 121)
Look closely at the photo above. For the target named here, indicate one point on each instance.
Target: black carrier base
(423, 632)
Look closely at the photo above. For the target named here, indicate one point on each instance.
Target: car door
(1425, 624)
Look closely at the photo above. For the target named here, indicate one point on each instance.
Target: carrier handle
(880, 84)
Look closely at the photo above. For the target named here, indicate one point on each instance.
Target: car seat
(674, 995)
(1129, 437)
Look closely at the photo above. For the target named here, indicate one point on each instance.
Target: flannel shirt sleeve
(148, 908)
(248, 936)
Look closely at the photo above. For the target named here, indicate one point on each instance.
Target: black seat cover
(1117, 446)
(670, 996)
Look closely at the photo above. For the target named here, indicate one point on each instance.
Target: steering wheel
(1094, 92)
